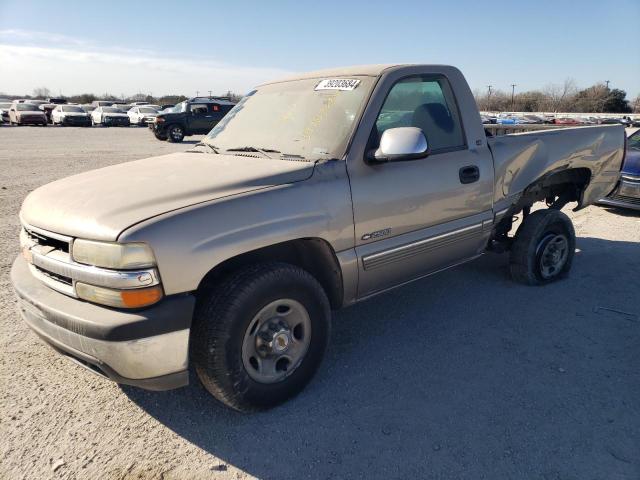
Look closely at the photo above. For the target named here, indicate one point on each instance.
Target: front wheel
(543, 249)
(175, 133)
(260, 335)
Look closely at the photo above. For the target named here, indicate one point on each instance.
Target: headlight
(119, 256)
(134, 298)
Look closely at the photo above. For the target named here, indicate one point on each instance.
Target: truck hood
(100, 204)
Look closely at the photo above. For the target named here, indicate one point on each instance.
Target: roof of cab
(354, 70)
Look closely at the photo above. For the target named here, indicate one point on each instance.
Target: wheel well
(556, 189)
(314, 255)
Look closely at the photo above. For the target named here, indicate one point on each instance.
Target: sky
(187, 46)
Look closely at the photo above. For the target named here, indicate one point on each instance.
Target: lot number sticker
(337, 84)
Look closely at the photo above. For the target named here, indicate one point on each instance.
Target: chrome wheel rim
(276, 341)
(176, 132)
(555, 251)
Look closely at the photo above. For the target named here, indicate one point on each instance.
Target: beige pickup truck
(313, 193)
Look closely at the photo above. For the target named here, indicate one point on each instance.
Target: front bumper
(32, 120)
(626, 195)
(76, 121)
(116, 121)
(158, 128)
(146, 348)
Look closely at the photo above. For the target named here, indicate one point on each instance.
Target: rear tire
(232, 320)
(543, 249)
(175, 133)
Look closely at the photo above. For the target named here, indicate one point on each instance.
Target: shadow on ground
(461, 375)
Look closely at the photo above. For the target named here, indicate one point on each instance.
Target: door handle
(469, 174)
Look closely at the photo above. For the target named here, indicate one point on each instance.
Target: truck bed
(521, 157)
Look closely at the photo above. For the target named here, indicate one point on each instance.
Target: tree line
(564, 97)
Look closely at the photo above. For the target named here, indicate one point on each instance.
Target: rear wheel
(543, 249)
(175, 133)
(260, 335)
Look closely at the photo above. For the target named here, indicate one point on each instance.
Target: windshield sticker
(338, 84)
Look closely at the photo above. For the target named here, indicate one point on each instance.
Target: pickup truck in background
(313, 193)
(195, 116)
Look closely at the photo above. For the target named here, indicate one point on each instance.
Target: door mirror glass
(401, 144)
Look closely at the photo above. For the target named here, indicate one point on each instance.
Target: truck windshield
(310, 118)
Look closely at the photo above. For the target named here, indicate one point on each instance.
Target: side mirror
(400, 144)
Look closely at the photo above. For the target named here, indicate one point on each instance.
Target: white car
(70, 115)
(142, 115)
(109, 116)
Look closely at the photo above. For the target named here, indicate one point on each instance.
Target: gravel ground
(462, 375)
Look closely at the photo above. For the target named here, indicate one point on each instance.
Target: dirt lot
(462, 375)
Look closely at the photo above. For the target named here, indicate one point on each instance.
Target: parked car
(109, 117)
(70, 115)
(122, 106)
(57, 100)
(612, 121)
(533, 119)
(26, 114)
(230, 257)
(139, 103)
(88, 108)
(142, 115)
(166, 106)
(4, 110)
(102, 103)
(627, 192)
(192, 117)
(566, 121)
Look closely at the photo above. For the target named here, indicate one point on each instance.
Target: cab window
(199, 108)
(425, 102)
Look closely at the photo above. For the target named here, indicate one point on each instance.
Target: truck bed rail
(495, 130)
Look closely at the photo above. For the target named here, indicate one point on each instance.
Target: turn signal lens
(135, 298)
(141, 297)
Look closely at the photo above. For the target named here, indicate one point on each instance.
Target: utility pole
(513, 89)
(489, 98)
(197, 92)
(607, 82)
(209, 93)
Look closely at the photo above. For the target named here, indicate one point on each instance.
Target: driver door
(415, 217)
(199, 118)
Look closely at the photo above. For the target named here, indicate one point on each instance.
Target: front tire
(543, 249)
(175, 133)
(259, 336)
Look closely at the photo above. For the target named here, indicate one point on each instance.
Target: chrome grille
(49, 257)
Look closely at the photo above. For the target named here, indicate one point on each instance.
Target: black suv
(192, 117)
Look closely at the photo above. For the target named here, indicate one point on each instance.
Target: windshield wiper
(213, 148)
(263, 151)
